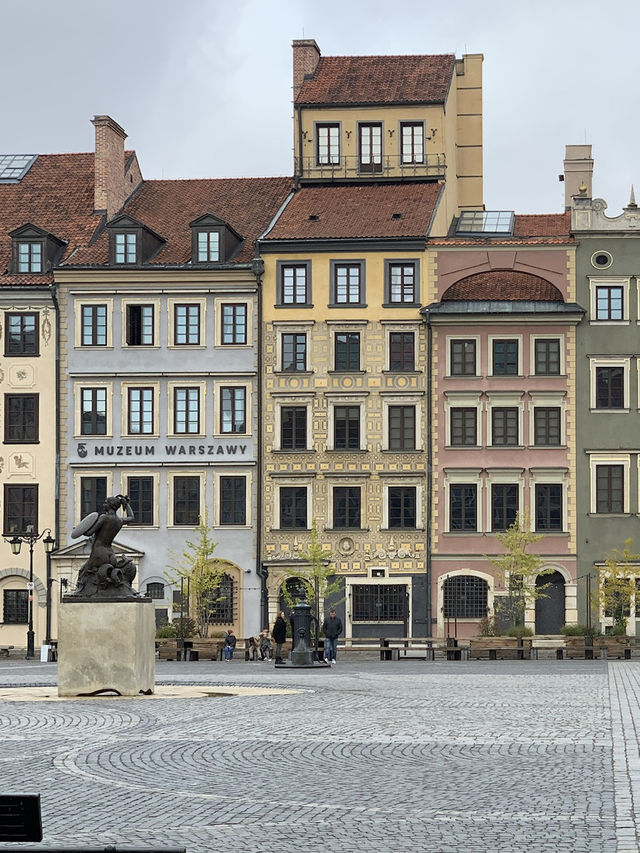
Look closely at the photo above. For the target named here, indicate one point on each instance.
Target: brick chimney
(578, 173)
(110, 191)
(306, 55)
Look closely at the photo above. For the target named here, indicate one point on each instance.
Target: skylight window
(485, 222)
(13, 167)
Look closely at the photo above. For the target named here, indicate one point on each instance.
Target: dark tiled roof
(379, 80)
(503, 284)
(167, 207)
(335, 212)
(56, 195)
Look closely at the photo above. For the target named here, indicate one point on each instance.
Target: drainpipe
(56, 307)
(429, 472)
(258, 270)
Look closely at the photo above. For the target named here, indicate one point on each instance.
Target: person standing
(332, 628)
(230, 641)
(279, 634)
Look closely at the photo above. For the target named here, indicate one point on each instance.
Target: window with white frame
(610, 483)
(505, 356)
(411, 142)
(93, 410)
(462, 500)
(547, 356)
(609, 298)
(462, 354)
(140, 410)
(610, 384)
(327, 144)
(293, 507)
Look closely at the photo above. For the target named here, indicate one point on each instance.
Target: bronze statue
(105, 575)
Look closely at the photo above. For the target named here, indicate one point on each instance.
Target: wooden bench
(420, 648)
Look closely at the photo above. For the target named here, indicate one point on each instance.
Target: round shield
(83, 528)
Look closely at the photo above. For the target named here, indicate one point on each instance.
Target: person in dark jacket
(230, 641)
(332, 628)
(279, 634)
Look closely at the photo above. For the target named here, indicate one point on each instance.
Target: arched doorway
(550, 606)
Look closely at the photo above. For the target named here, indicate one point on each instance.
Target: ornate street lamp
(30, 538)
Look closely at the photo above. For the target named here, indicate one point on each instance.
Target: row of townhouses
(360, 345)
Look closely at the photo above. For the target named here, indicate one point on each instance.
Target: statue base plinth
(106, 646)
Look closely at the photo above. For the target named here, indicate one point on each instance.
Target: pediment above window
(34, 250)
(131, 243)
(213, 241)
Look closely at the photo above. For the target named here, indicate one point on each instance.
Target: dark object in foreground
(301, 653)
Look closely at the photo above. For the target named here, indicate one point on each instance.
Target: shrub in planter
(520, 631)
(574, 630)
(166, 632)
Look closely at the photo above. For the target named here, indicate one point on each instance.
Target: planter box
(615, 646)
(502, 648)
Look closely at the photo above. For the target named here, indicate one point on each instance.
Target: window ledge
(611, 515)
(347, 372)
(402, 305)
(403, 372)
(347, 529)
(347, 305)
(546, 447)
(347, 450)
(402, 450)
(22, 441)
(609, 411)
(416, 529)
(294, 372)
(624, 322)
(289, 450)
(293, 305)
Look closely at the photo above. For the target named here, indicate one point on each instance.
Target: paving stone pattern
(412, 756)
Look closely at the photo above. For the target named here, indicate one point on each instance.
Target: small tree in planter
(203, 574)
(520, 568)
(615, 585)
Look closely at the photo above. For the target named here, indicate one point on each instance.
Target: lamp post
(49, 545)
(30, 538)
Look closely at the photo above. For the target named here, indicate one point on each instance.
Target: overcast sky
(203, 87)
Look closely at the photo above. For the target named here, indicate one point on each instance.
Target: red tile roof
(345, 211)
(503, 285)
(530, 229)
(56, 195)
(167, 207)
(379, 80)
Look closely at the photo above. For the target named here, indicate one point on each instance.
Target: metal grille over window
(221, 602)
(379, 602)
(464, 597)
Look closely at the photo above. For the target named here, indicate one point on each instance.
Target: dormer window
(213, 241)
(208, 246)
(126, 247)
(30, 257)
(34, 250)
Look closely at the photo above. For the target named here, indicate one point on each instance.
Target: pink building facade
(502, 350)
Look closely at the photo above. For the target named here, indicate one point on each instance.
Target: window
(412, 142)
(20, 418)
(21, 334)
(125, 248)
(186, 501)
(294, 351)
(464, 426)
(293, 428)
(547, 357)
(186, 411)
(155, 590)
(327, 144)
(140, 491)
(233, 501)
(546, 426)
(208, 246)
(346, 427)
(463, 358)
(609, 387)
(379, 602)
(294, 284)
(504, 426)
(463, 500)
(140, 325)
(221, 602)
(293, 506)
(29, 257)
(609, 489)
(346, 506)
(609, 302)
(94, 325)
(348, 283)
(15, 606)
(233, 409)
(93, 494)
(20, 509)
(504, 505)
(402, 427)
(401, 283)
(548, 498)
(401, 351)
(140, 411)
(187, 325)
(464, 597)
(370, 147)
(402, 506)
(486, 222)
(234, 324)
(505, 358)
(347, 351)
(93, 411)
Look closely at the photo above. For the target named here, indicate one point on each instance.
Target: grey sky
(203, 87)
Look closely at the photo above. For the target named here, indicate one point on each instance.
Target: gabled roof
(56, 196)
(168, 208)
(378, 80)
(503, 285)
(367, 211)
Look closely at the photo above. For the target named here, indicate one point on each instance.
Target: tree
(520, 569)
(318, 575)
(203, 574)
(615, 585)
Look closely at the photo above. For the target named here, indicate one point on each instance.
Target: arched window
(221, 600)
(155, 590)
(465, 597)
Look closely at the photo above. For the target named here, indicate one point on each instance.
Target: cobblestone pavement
(410, 756)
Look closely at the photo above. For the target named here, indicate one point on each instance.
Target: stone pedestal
(106, 645)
